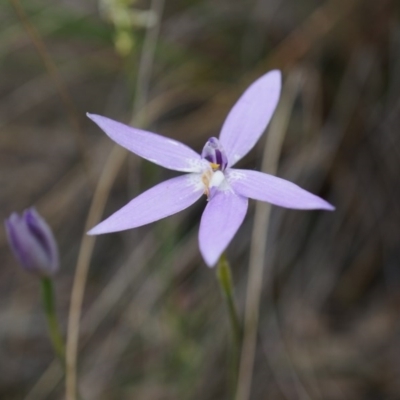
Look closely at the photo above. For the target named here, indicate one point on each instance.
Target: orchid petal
(162, 200)
(221, 219)
(249, 117)
(166, 152)
(274, 190)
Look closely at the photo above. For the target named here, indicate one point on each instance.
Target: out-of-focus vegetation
(154, 324)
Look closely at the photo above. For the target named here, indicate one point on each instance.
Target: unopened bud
(33, 243)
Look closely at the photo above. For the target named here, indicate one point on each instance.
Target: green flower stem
(52, 322)
(226, 284)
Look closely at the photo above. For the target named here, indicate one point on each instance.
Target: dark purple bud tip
(215, 153)
(33, 243)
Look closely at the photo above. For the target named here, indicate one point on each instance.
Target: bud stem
(52, 322)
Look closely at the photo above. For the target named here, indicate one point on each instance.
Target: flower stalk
(51, 317)
(224, 277)
(225, 281)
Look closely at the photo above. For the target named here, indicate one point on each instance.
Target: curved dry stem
(111, 169)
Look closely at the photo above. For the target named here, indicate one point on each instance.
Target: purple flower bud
(33, 243)
(215, 153)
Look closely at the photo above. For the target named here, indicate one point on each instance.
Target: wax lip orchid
(210, 173)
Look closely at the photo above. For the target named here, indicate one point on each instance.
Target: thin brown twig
(298, 43)
(52, 70)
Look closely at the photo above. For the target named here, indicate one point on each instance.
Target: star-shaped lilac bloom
(210, 173)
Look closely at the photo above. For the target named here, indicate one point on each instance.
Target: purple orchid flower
(210, 173)
(33, 243)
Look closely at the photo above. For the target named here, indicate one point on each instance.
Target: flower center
(212, 179)
(214, 153)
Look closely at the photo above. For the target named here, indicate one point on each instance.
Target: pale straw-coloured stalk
(272, 150)
(111, 169)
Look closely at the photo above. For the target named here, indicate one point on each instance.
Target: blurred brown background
(154, 324)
